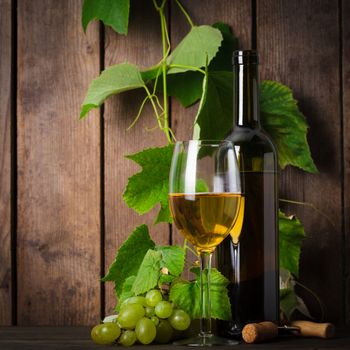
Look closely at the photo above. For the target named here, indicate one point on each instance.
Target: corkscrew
(267, 331)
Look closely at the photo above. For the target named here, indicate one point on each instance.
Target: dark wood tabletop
(74, 338)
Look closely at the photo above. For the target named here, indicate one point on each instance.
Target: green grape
(105, 333)
(149, 311)
(155, 320)
(164, 332)
(130, 314)
(163, 309)
(153, 297)
(180, 320)
(145, 331)
(127, 338)
(135, 300)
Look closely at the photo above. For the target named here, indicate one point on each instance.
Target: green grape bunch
(142, 319)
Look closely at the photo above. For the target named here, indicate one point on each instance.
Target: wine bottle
(250, 261)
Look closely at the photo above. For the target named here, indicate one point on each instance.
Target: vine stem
(164, 69)
(156, 80)
(150, 96)
(310, 205)
(187, 247)
(158, 8)
(163, 65)
(139, 113)
(189, 20)
(321, 305)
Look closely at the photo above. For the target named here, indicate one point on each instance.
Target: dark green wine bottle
(251, 265)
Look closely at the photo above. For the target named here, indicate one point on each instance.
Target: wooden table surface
(66, 338)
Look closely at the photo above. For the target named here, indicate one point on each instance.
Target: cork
(259, 332)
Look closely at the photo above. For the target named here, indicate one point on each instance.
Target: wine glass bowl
(206, 204)
(205, 219)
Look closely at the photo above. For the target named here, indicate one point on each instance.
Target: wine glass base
(235, 331)
(206, 341)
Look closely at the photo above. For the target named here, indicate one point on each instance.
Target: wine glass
(206, 202)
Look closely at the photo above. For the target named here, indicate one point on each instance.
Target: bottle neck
(246, 95)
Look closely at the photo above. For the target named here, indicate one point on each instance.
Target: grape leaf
(164, 212)
(173, 258)
(286, 279)
(201, 186)
(187, 86)
(113, 80)
(186, 295)
(166, 278)
(129, 257)
(223, 59)
(196, 49)
(148, 275)
(151, 73)
(288, 302)
(291, 235)
(280, 117)
(301, 307)
(216, 101)
(126, 291)
(150, 186)
(286, 125)
(114, 13)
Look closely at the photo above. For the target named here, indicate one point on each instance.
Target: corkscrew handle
(313, 329)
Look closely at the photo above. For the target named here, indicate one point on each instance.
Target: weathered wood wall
(61, 180)
(299, 44)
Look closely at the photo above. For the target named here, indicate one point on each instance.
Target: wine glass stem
(237, 278)
(205, 320)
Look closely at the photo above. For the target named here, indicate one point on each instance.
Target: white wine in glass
(207, 204)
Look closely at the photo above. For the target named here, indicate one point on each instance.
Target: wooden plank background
(345, 141)
(58, 215)
(5, 162)
(61, 179)
(309, 63)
